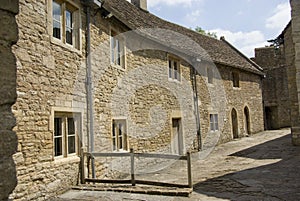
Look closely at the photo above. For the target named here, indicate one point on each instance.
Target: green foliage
(207, 33)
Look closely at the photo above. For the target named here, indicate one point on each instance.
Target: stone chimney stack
(140, 4)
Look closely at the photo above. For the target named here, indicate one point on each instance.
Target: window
(65, 22)
(174, 70)
(117, 51)
(119, 135)
(214, 125)
(210, 75)
(235, 79)
(66, 127)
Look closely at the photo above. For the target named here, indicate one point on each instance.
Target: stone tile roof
(220, 51)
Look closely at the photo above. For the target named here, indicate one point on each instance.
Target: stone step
(139, 189)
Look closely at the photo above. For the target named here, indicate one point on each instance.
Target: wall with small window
(242, 89)
(50, 74)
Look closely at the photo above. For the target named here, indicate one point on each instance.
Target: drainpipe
(89, 82)
(197, 110)
(90, 88)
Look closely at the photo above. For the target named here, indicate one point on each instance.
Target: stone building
(8, 138)
(291, 40)
(275, 86)
(110, 76)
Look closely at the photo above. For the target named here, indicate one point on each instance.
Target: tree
(207, 33)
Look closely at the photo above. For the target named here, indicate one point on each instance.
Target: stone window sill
(65, 46)
(70, 159)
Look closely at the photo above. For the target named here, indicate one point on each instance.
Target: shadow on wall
(8, 138)
(277, 181)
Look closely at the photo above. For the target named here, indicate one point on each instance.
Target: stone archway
(247, 120)
(235, 125)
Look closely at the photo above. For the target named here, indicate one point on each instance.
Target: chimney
(140, 4)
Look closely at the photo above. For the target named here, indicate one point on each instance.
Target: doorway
(177, 136)
(247, 120)
(235, 125)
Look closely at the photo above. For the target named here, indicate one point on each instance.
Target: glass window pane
(120, 142)
(71, 145)
(69, 19)
(56, 30)
(114, 129)
(118, 52)
(71, 126)
(57, 127)
(175, 70)
(69, 36)
(170, 69)
(58, 146)
(114, 144)
(56, 11)
(69, 27)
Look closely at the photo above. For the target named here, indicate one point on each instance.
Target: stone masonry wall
(8, 138)
(275, 86)
(293, 51)
(249, 95)
(49, 79)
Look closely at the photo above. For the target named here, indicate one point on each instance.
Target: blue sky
(246, 24)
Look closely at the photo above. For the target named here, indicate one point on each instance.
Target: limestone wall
(249, 95)
(46, 82)
(275, 86)
(293, 50)
(51, 78)
(8, 139)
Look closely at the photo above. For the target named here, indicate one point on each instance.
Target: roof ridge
(241, 54)
(219, 51)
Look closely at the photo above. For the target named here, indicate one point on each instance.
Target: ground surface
(264, 166)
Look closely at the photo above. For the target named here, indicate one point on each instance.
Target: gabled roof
(219, 50)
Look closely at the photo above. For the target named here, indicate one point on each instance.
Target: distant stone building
(8, 138)
(275, 86)
(129, 80)
(281, 65)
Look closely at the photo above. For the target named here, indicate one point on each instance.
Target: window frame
(235, 79)
(118, 146)
(214, 122)
(173, 74)
(64, 121)
(75, 25)
(117, 50)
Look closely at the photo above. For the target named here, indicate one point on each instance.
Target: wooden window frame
(214, 122)
(75, 25)
(119, 142)
(117, 50)
(64, 121)
(174, 74)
